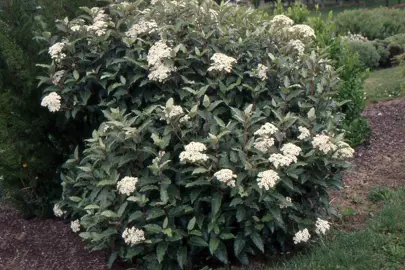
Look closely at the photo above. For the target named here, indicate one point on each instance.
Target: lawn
(384, 84)
(381, 245)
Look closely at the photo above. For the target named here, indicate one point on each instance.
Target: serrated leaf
(221, 253)
(161, 250)
(238, 245)
(257, 240)
(213, 245)
(182, 257)
(198, 242)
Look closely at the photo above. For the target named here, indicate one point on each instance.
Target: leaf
(221, 253)
(76, 75)
(106, 183)
(191, 224)
(109, 214)
(135, 216)
(201, 182)
(75, 199)
(112, 259)
(216, 203)
(153, 228)
(182, 257)
(199, 170)
(206, 101)
(214, 242)
(91, 206)
(238, 245)
(122, 209)
(257, 240)
(226, 236)
(155, 213)
(311, 114)
(198, 241)
(161, 251)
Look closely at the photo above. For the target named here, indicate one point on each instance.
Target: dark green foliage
(367, 54)
(33, 143)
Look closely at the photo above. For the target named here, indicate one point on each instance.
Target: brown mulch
(47, 244)
(378, 163)
(43, 244)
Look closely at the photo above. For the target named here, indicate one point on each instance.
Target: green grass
(384, 84)
(380, 246)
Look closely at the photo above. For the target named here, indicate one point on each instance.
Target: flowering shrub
(218, 138)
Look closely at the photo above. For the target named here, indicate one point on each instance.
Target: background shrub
(186, 154)
(367, 52)
(377, 23)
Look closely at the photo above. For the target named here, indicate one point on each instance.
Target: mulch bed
(47, 244)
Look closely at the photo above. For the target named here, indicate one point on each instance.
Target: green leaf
(153, 228)
(135, 216)
(161, 251)
(257, 240)
(311, 114)
(199, 170)
(191, 224)
(214, 242)
(198, 241)
(91, 206)
(122, 209)
(238, 245)
(221, 253)
(76, 75)
(216, 203)
(226, 236)
(155, 213)
(206, 101)
(112, 259)
(75, 199)
(106, 183)
(109, 214)
(182, 256)
(201, 182)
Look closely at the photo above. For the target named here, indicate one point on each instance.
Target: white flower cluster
(172, 112)
(302, 32)
(290, 153)
(184, 119)
(354, 37)
(159, 157)
(267, 179)
(52, 101)
(127, 185)
(194, 153)
(133, 236)
(267, 129)
(304, 133)
(226, 176)
(290, 149)
(75, 226)
(57, 77)
(321, 226)
(56, 51)
(263, 144)
(221, 62)
(280, 22)
(100, 22)
(261, 72)
(301, 236)
(140, 28)
(323, 143)
(344, 151)
(160, 65)
(297, 46)
(288, 199)
(76, 25)
(57, 210)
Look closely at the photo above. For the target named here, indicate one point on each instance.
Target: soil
(378, 163)
(47, 244)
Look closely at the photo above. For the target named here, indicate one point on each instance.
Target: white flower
(153, 2)
(75, 28)
(323, 143)
(140, 28)
(173, 112)
(56, 51)
(160, 65)
(127, 185)
(100, 22)
(280, 22)
(290, 149)
(297, 45)
(304, 133)
(301, 236)
(266, 130)
(280, 160)
(106, 127)
(57, 77)
(222, 62)
(226, 176)
(263, 144)
(267, 179)
(302, 32)
(185, 118)
(288, 199)
(261, 72)
(133, 236)
(195, 147)
(193, 153)
(344, 151)
(75, 226)
(321, 226)
(52, 101)
(57, 211)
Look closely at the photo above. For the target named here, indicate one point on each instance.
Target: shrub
(368, 55)
(218, 135)
(352, 75)
(378, 23)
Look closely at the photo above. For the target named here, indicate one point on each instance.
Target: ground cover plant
(215, 135)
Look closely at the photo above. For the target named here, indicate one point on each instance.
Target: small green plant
(380, 194)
